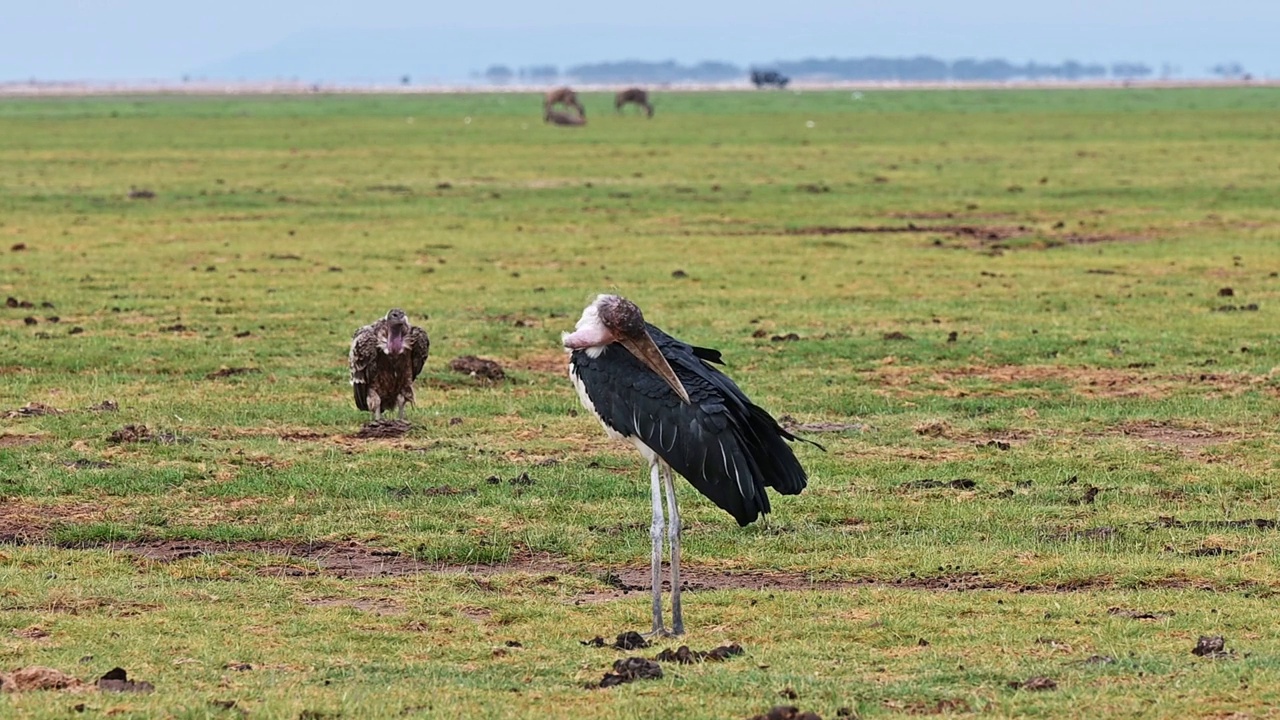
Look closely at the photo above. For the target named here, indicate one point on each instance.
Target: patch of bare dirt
(231, 372)
(1184, 438)
(24, 521)
(369, 605)
(791, 424)
(983, 233)
(1010, 380)
(479, 368)
(946, 706)
(13, 441)
(351, 560)
(552, 363)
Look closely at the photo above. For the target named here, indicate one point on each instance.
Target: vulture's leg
(400, 403)
(375, 405)
(673, 534)
(655, 534)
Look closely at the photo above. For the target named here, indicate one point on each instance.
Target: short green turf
(1066, 297)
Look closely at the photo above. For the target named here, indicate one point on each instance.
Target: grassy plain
(1054, 330)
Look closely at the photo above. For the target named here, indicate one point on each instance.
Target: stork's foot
(663, 633)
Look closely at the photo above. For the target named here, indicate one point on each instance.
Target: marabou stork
(386, 357)
(665, 398)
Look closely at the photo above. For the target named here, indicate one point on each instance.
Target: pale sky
(380, 39)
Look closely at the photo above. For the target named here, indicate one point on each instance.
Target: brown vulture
(386, 357)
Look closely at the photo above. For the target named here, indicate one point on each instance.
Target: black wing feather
(727, 447)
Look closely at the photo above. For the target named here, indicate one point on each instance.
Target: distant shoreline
(205, 88)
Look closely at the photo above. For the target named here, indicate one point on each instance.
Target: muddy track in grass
(352, 560)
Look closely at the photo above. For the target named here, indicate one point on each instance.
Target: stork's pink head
(613, 319)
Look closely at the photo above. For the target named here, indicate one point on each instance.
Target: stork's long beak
(647, 352)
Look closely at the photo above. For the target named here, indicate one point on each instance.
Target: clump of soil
(105, 406)
(14, 302)
(141, 194)
(380, 429)
(629, 669)
(789, 337)
(629, 640)
(685, 656)
(33, 409)
(477, 368)
(117, 680)
(130, 434)
(1037, 683)
(1212, 646)
(895, 335)
(35, 677)
(933, 428)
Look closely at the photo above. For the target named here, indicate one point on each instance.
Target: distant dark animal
(556, 117)
(386, 357)
(760, 78)
(633, 95)
(667, 399)
(563, 96)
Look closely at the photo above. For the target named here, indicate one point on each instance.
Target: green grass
(1088, 337)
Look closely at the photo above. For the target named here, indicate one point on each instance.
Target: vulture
(386, 357)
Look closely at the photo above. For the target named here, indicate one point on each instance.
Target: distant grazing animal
(386, 357)
(769, 77)
(666, 398)
(563, 96)
(633, 95)
(556, 117)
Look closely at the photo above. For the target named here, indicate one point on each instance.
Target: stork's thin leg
(673, 534)
(655, 534)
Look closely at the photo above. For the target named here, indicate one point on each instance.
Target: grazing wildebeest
(563, 96)
(633, 95)
(557, 117)
(769, 77)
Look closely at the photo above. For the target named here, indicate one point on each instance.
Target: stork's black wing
(726, 446)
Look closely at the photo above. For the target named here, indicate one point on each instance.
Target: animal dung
(477, 367)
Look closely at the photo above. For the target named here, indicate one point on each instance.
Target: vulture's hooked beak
(647, 352)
